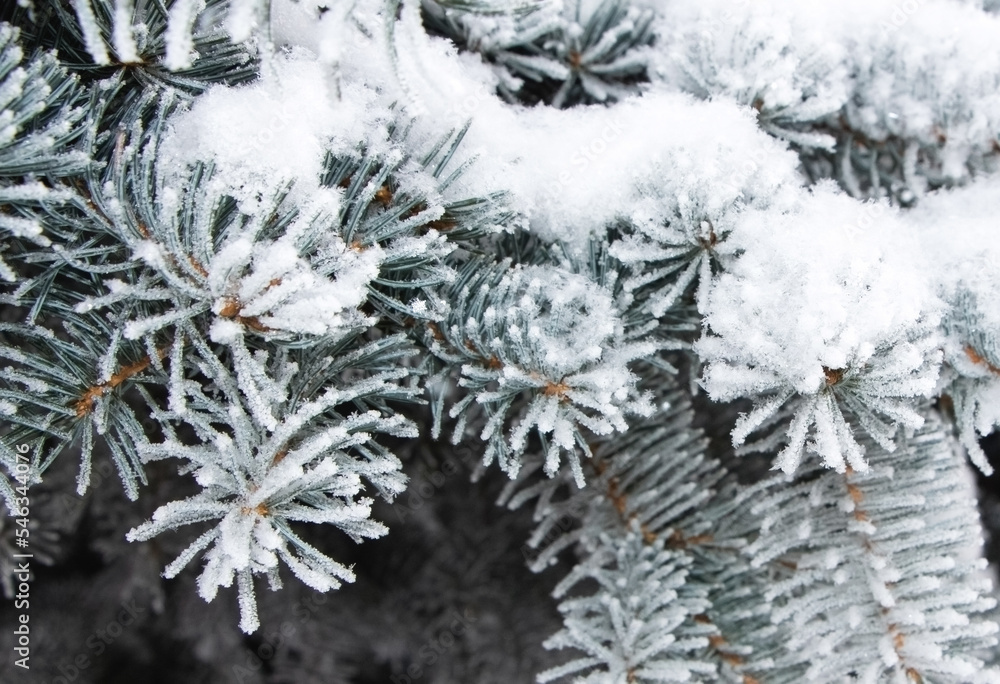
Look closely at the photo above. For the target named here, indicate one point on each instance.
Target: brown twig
(833, 375)
(85, 404)
(556, 389)
(978, 359)
(232, 307)
(260, 509)
(719, 645)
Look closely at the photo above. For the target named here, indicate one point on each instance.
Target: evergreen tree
(268, 263)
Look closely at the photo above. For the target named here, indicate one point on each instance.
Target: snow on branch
(886, 582)
(40, 120)
(626, 628)
(835, 322)
(889, 99)
(969, 265)
(579, 53)
(310, 467)
(542, 334)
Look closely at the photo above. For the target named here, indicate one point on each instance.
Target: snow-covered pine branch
(832, 320)
(182, 43)
(871, 93)
(39, 121)
(282, 224)
(970, 262)
(887, 584)
(563, 54)
(627, 627)
(655, 519)
(66, 390)
(310, 466)
(539, 349)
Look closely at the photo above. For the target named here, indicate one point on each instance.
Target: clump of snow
(244, 18)
(817, 284)
(277, 287)
(570, 319)
(277, 128)
(572, 172)
(925, 72)
(787, 69)
(829, 306)
(270, 286)
(683, 215)
(959, 228)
